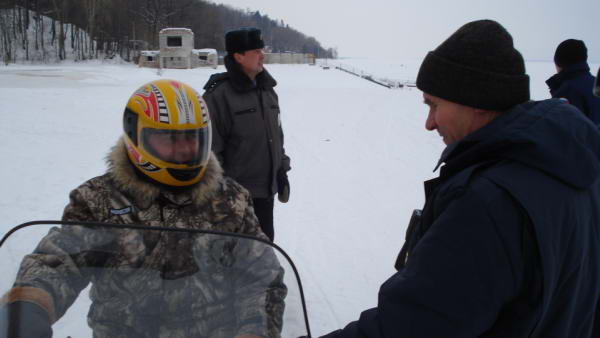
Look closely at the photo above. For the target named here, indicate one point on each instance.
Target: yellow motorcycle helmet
(167, 132)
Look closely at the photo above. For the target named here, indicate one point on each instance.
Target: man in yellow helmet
(161, 173)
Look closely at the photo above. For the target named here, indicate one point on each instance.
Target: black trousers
(263, 208)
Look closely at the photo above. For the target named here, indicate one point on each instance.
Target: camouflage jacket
(158, 283)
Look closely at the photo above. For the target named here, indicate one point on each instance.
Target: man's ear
(238, 57)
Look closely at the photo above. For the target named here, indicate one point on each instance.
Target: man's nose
(184, 144)
(430, 122)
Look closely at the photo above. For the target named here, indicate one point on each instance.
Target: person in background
(248, 137)
(161, 173)
(597, 86)
(508, 241)
(573, 81)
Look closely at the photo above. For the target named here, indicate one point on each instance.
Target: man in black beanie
(247, 132)
(507, 243)
(573, 81)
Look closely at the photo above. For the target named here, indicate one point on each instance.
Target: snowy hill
(359, 156)
(40, 41)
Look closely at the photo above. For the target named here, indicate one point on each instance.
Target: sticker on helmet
(185, 107)
(133, 152)
(163, 111)
(138, 158)
(203, 110)
(154, 105)
(149, 166)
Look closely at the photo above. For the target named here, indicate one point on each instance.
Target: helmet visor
(190, 147)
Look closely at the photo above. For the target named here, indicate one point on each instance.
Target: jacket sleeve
(220, 122)
(54, 269)
(467, 266)
(285, 159)
(259, 287)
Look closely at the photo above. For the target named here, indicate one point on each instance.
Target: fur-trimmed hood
(123, 173)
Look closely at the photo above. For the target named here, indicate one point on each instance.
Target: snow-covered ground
(359, 156)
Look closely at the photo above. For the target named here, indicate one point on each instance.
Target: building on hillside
(149, 58)
(206, 57)
(176, 45)
(177, 52)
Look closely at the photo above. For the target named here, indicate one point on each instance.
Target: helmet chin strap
(141, 175)
(184, 174)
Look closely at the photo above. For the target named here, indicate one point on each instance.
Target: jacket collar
(567, 73)
(466, 152)
(548, 136)
(145, 192)
(241, 82)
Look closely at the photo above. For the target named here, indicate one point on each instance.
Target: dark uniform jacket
(576, 84)
(508, 242)
(247, 133)
(158, 284)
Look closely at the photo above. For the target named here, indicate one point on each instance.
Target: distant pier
(388, 83)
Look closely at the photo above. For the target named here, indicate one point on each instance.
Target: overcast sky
(408, 29)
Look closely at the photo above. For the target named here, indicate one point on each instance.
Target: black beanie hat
(241, 40)
(570, 52)
(477, 66)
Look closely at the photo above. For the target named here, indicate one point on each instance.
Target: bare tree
(59, 14)
(6, 41)
(114, 26)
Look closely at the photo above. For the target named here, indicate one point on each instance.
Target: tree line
(88, 29)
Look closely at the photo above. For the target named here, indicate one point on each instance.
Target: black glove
(283, 186)
(24, 320)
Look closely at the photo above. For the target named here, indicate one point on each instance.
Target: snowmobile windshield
(191, 146)
(124, 280)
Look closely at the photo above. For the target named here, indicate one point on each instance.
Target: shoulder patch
(123, 211)
(215, 80)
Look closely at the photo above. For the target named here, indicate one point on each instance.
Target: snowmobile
(106, 280)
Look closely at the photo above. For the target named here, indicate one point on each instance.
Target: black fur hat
(241, 40)
(477, 66)
(570, 52)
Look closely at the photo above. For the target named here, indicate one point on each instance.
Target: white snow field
(359, 153)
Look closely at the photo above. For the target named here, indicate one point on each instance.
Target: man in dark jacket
(247, 133)
(508, 242)
(597, 86)
(573, 80)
